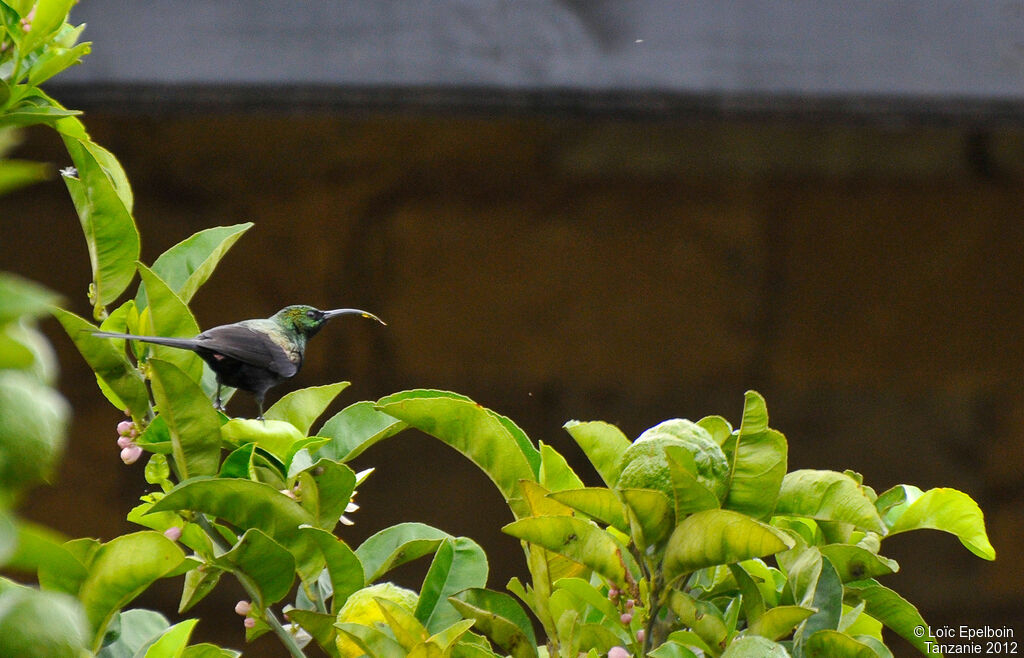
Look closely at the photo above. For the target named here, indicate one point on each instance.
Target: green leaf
(589, 595)
(717, 536)
(373, 642)
(56, 59)
(105, 214)
(135, 630)
(354, 429)
(21, 298)
(752, 646)
(555, 473)
(15, 174)
(38, 623)
(951, 511)
(121, 569)
(48, 16)
(343, 565)
(476, 432)
(780, 621)
(107, 359)
(653, 511)
(279, 438)
(193, 423)
(689, 494)
(857, 563)
(319, 625)
(603, 443)
(198, 583)
(829, 643)
(447, 637)
(821, 589)
(596, 502)
(459, 564)
(334, 483)
(672, 649)
(888, 607)
(187, 265)
(757, 457)
(268, 565)
(408, 630)
(500, 618)
(397, 545)
(580, 541)
(827, 496)
(41, 549)
(173, 641)
(302, 407)
(171, 318)
(246, 504)
(702, 616)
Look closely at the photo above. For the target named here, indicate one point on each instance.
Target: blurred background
(625, 211)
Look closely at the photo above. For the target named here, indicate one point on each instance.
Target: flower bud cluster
(244, 609)
(126, 433)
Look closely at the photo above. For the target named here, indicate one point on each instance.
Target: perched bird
(254, 355)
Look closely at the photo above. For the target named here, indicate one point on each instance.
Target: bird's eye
(311, 315)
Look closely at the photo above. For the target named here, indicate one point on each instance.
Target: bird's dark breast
(238, 374)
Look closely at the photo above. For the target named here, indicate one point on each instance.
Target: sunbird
(254, 355)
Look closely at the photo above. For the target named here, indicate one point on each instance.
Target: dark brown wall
(867, 280)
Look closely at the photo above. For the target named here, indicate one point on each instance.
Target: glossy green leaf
(22, 298)
(689, 494)
(239, 464)
(752, 646)
(198, 583)
(719, 536)
(827, 496)
(857, 563)
(39, 623)
(135, 630)
(15, 174)
(334, 485)
(603, 443)
(70, 582)
(500, 618)
(888, 607)
(654, 513)
(343, 566)
(833, 644)
(191, 420)
(170, 317)
(110, 233)
(33, 423)
(173, 641)
(372, 641)
(319, 625)
(56, 59)
(302, 407)
(246, 504)
(279, 438)
(40, 549)
(459, 564)
(757, 458)
(951, 511)
(753, 599)
(555, 473)
(588, 594)
(121, 569)
(476, 432)
(266, 564)
(672, 649)
(598, 503)
(188, 265)
(408, 630)
(397, 545)
(780, 621)
(818, 587)
(580, 541)
(354, 429)
(107, 359)
(207, 650)
(447, 637)
(702, 616)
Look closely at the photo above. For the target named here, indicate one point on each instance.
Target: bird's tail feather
(181, 343)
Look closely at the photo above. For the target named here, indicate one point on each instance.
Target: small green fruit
(360, 608)
(645, 466)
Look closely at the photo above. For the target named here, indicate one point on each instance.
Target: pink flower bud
(613, 593)
(618, 652)
(629, 604)
(640, 635)
(131, 454)
(626, 618)
(243, 607)
(125, 427)
(173, 533)
(249, 622)
(125, 442)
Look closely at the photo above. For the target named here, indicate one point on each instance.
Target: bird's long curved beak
(352, 311)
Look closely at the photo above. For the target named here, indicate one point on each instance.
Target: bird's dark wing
(253, 347)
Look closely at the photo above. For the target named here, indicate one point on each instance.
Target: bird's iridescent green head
(306, 320)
